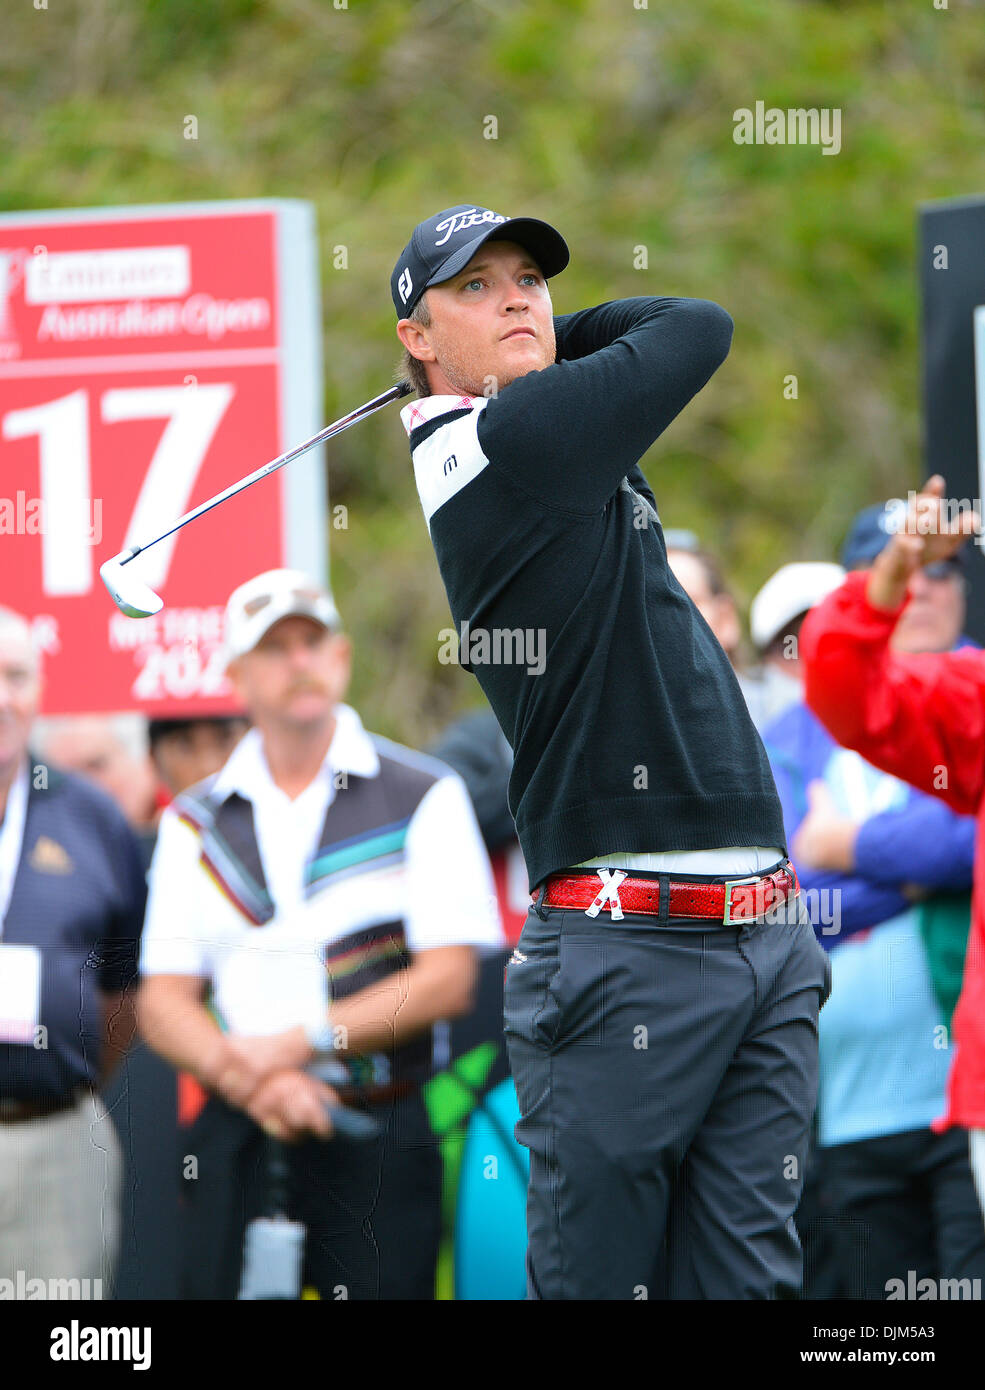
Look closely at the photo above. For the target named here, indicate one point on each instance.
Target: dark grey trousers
(666, 1077)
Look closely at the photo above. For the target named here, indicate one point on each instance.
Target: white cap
(789, 593)
(255, 606)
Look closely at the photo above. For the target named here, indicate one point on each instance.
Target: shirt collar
(17, 792)
(23, 775)
(246, 771)
(12, 835)
(420, 411)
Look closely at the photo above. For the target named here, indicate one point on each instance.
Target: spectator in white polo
(321, 863)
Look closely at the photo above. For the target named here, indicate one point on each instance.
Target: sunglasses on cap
(256, 605)
(944, 569)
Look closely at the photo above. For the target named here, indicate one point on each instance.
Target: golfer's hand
(290, 1105)
(244, 1063)
(926, 536)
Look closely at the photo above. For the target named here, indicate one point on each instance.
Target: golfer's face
(491, 323)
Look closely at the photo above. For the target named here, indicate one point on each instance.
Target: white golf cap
(255, 606)
(789, 593)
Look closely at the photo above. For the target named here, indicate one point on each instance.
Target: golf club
(135, 598)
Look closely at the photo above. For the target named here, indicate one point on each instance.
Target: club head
(130, 594)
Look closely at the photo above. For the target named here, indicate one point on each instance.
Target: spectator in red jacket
(920, 717)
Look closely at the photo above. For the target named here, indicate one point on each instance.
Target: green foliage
(615, 123)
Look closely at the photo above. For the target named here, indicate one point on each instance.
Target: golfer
(661, 1005)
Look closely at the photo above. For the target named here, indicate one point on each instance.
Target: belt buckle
(728, 920)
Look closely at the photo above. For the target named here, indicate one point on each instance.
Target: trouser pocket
(824, 960)
(530, 1010)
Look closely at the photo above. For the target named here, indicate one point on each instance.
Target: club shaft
(395, 392)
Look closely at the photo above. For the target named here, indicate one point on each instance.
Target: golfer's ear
(414, 339)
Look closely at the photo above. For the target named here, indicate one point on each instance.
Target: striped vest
(364, 832)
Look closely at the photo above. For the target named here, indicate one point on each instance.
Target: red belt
(734, 900)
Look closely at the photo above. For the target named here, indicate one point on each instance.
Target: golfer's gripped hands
(927, 535)
(290, 1105)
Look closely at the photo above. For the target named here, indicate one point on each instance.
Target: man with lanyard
(661, 1006)
(71, 904)
(319, 858)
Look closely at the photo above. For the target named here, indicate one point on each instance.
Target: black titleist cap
(443, 245)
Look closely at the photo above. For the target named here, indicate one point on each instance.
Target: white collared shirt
(271, 977)
(12, 836)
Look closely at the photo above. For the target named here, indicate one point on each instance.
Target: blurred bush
(615, 123)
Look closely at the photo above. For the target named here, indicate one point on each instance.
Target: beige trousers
(60, 1179)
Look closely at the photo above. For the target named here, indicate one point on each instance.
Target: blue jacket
(919, 841)
(78, 897)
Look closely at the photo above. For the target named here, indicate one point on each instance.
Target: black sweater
(628, 727)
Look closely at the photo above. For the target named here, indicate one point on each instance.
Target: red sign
(148, 359)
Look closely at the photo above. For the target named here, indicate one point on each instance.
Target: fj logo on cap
(405, 284)
(461, 220)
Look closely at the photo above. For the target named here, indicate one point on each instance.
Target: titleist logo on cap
(470, 218)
